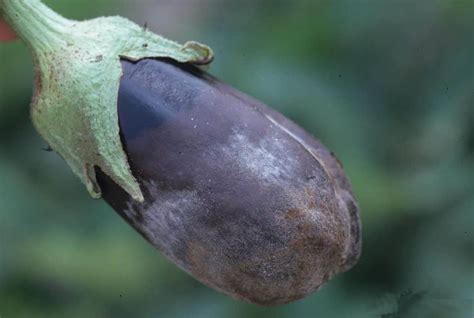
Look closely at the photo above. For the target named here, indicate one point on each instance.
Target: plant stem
(39, 26)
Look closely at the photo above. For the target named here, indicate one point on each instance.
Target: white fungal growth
(264, 160)
(162, 221)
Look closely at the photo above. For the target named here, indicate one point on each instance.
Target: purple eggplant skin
(236, 194)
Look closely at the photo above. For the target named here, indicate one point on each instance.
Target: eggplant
(231, 191)
(236, 194)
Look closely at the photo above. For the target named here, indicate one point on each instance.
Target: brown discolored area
(235, 194)
(294, 213)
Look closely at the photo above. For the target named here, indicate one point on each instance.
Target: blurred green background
(387, 85)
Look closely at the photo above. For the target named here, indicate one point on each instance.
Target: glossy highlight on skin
(236, 195)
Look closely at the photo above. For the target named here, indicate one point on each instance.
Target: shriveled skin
(235, 194)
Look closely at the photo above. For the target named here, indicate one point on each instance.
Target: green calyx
(78, 73)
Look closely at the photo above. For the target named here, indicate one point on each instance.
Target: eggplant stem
(36, 24)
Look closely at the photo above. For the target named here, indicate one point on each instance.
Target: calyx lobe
(79, 71)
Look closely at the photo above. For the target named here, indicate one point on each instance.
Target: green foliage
(387, 85)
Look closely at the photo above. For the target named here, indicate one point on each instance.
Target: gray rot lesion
(249, 203)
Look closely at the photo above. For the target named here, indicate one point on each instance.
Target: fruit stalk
(37, 25)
